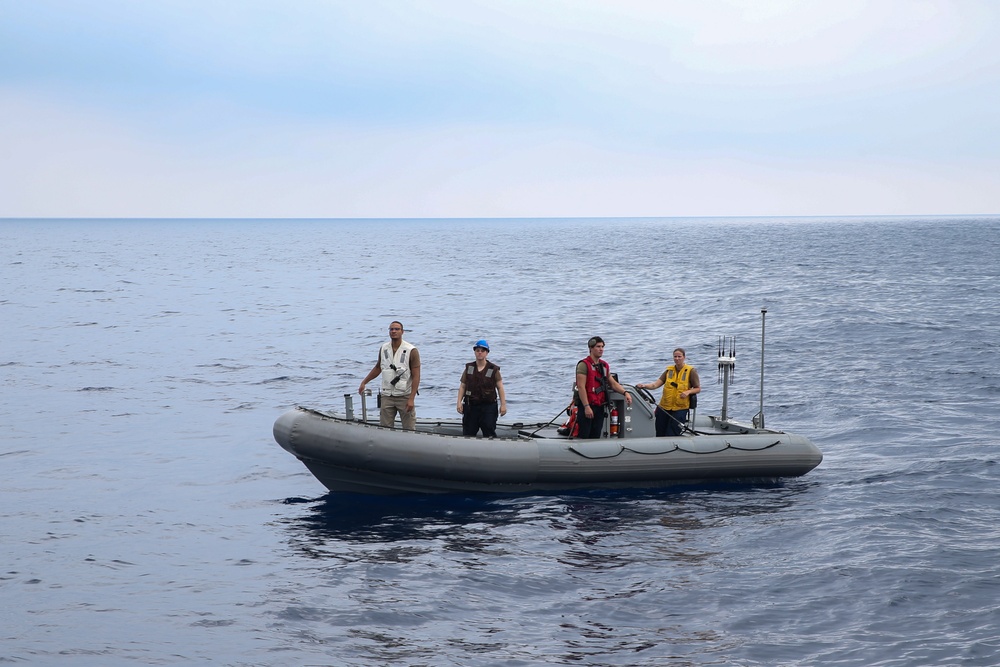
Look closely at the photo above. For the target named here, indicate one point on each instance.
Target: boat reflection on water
(581, 530)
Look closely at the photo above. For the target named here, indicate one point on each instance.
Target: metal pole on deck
(724, 415)
(759, 420)
(364, 405)
(727, 362)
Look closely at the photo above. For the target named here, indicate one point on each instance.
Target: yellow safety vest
(671, 399)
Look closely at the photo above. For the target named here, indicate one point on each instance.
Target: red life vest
(596, 373)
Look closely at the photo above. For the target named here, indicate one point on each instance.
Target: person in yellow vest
(399, 365)
(679, 383)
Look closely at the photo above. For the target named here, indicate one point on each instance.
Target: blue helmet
(482, 343)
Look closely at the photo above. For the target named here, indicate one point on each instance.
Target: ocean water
(147, 517)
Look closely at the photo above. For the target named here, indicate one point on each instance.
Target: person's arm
(654, 385)
(695, 383)
(620, 389)
(581, 385)
(371, 376)
(461, 395)
(503, 397)
(414, 378)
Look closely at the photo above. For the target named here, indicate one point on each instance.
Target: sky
(506, 108)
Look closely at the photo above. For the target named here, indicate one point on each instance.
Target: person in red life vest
(679, 383)
(399, 365)
(478, 390)
(593, 380)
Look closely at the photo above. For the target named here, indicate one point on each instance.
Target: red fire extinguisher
(614, 421)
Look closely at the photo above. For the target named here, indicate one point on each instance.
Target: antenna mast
(758, 420)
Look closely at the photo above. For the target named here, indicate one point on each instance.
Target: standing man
(477, 394)
(679, 383)
(593, 377)
(399, 364)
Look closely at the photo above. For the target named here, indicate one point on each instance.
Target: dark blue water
(147, 517)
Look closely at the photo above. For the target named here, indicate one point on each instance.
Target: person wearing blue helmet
(478, 391)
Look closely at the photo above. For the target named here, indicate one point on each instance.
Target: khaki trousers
(393, 404)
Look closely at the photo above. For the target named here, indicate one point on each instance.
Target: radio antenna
(758, 420)
(727, 366)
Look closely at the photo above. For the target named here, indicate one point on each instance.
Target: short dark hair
(594, 341)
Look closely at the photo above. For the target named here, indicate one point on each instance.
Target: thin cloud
(511, 108)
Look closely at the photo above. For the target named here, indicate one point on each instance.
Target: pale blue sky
(439, 108)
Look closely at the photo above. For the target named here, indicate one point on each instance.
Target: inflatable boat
(359, 456)
(354, 454)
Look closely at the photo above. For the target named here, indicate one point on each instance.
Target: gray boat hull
(348, 455)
